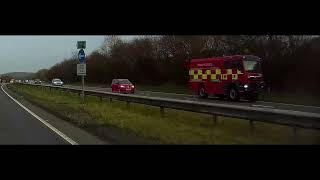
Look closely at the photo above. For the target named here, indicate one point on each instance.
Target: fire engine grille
(253, 85)
(255, 78)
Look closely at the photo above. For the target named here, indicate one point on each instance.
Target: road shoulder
(77, 134)
(83, 121)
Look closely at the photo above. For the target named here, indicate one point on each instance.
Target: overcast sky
(31, 53)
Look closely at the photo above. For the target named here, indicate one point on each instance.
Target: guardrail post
(214, 127)
(110, 100)
(128, 105)
(295, 137)
(162, 111)
(100, 98)
(214, 120)
(251, 128)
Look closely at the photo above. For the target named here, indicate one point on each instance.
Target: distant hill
(20, 75)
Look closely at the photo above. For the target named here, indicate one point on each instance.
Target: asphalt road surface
(19, 125)
(260, 104)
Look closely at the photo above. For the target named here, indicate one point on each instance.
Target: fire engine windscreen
(252, 66)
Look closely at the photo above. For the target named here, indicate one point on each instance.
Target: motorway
(260, 104)
(24, 123)
(20, 125)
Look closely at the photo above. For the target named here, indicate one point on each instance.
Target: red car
(122, 86)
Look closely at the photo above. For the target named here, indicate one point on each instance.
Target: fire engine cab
(228, 76)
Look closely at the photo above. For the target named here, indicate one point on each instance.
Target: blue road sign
(81, 56)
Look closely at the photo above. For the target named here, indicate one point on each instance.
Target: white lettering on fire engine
(206, 64)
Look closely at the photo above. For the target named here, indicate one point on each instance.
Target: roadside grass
(176, 127)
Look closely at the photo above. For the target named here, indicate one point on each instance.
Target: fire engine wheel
(233, 94)
(202, 92)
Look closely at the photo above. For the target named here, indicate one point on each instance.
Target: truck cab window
(233, 65)
(252, 66)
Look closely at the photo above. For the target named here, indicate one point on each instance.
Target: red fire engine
(228, 76)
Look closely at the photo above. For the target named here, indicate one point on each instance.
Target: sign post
(81, 67)
(82, 94)
(81, 71)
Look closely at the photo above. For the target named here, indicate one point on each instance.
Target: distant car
(12, 81)
(57, 82)
(31, 82)
(122, 86)
(37, 81)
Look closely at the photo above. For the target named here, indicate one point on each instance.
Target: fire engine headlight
(122, 86)
(132, 86)
(246, 86)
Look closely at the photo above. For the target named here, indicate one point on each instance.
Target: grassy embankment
(177, 127)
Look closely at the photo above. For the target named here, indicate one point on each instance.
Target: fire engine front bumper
(251, 88)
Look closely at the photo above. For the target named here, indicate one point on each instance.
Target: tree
(42, 74)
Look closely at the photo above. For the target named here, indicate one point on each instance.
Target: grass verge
(177, 127)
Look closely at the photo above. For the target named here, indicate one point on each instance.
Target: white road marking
(69, 140)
